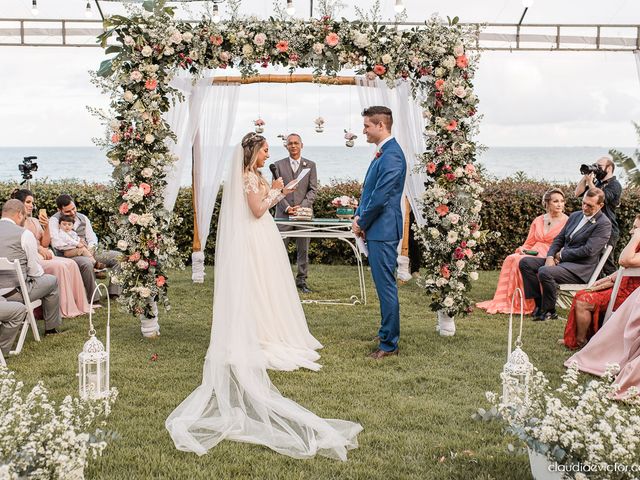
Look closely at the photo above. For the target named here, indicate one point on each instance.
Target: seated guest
(12, 316)
(572, 257)
(82, 226)
(541, 233)
(618, 341)
(73, 298)
(18, 243)
(589, 306)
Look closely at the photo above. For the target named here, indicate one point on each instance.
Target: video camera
(26, 167)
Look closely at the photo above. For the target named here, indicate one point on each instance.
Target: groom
(378, 220)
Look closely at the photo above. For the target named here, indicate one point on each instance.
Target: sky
(526, 98)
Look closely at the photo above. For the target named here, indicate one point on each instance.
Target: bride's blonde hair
(251, 145)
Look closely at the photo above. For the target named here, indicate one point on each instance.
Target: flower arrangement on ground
(42, 440)
(578, 425)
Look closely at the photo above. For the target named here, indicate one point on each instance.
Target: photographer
(600, 175)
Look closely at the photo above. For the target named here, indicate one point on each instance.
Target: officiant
(302, 197)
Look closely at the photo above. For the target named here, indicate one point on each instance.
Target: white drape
(408, 128)
(637, 55)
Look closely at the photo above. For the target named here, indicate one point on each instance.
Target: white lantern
(93, 361)
(517, 372)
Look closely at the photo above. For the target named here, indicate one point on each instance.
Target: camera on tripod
(26, 167)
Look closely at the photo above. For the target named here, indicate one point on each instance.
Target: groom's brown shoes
(380, 354)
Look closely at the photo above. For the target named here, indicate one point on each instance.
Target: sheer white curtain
(211, 150)
(637, 55)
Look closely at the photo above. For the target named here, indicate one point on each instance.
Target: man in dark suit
(303, 196)
(378, 220)
(572, 258)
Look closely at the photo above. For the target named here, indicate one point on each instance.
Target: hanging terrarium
(259, 125)
(349, 138)
(319, 124)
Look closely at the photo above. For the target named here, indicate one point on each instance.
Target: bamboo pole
(406, 227)
(196, 247)
(268, 78)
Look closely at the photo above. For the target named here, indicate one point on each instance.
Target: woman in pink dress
(541, 234)
(73, 298)
(618, 341)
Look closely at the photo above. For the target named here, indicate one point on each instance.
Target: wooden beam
(286, 79)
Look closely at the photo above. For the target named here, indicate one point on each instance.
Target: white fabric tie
(295, 164)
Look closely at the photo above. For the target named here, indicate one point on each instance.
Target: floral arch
(151, 47)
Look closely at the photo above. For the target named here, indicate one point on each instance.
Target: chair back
(603, 259)
(8, 265)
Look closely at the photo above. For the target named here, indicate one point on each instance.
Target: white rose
(176, 37)
(473, 276)
(146, 51)
(448, 302)
(386, 59)
(441, 281)
(128, 96)
(260, 39)
(148, 138)
(471, 243)
(439, 72)
(187, 37)
(477, 206)
(122, 244)
(147, 172)
(449, 62)
(135, 76)
(168, 51)
(145, 292)
(129, 40)
(460, 264)
(317, 48)
(452, 236)
(142, 264)
(476, 234)
(434, 232)
(458, 50)
(361, 40)
(460, 91)
(194, 55)
(133, 218)
(459, 172)
(453, 218)
(426, 114)
(145, 219)
(247, 50)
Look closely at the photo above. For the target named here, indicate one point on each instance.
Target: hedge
(509, 207)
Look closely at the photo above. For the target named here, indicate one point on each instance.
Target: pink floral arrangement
(345, 201)
(259, 122)
(349, 135)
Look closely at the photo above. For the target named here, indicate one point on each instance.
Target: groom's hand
(355, 228)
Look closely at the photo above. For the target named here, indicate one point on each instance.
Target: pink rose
(282, 46)
(160, 281)
(133, 218)
(470, 168)
(124, 208)
(146, 188)
(462, 61)
(468, 252)
(431, 167)
(142, 264)
(444, 271)
(442, 210)
(134, 257)
(260, 39)
(379, 69)
(451, 126)
(440, 84)
(224, 56)
(115, 138)
(332, 39)
(151, 84)
(216, 39)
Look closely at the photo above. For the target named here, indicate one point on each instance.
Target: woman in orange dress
(590, 305)
(73, 298)
(541, 234)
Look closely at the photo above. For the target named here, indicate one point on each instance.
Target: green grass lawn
(415, 408)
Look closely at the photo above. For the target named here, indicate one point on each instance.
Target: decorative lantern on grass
(93, 361)
(517, 372)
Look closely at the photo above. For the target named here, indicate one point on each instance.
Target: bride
(258, 323)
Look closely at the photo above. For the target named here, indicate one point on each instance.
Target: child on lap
(71, 245)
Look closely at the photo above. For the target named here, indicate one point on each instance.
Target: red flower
(282, 46)
(451, 177)
(134, 257)
(458, 253)
(151, 84)
(424, 71)
(160, 280)
(154, 357)
(378, 154)
(153, 263)
(379, 69)
(442, 210)
(451, 126)
(463, 244)
(431, 167)
(462, 61)
(444, 271)
(294, 57)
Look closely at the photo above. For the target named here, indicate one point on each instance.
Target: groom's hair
(379, 114)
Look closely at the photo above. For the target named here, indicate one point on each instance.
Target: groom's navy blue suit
(381, 220)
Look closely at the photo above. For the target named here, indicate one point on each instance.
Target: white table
(328, 228)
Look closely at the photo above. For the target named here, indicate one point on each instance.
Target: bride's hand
(277, 184)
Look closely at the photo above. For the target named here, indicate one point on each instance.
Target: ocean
(557, 164)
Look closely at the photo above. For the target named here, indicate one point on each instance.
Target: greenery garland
(152, 47)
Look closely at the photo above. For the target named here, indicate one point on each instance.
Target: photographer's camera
(595, 169)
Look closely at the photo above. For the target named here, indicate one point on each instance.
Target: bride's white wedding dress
(258, 323)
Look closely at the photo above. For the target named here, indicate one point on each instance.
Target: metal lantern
(93, 361)
(517, 372)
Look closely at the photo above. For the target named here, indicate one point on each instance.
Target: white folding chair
(622, 272)
(3, 362)
(6, 265)
(566, 291)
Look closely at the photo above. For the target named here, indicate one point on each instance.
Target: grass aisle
(415, 408)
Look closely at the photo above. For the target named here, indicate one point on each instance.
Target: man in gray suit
(17, 243)
(303, 196)
(12, 316)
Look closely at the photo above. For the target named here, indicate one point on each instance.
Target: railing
(490, 36)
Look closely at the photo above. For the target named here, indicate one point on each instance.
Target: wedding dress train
(258, 323)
